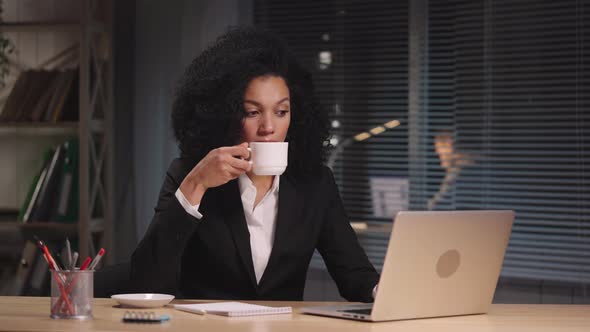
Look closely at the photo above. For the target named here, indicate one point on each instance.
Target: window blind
(357, 52)
(505, 106)
(502, 119)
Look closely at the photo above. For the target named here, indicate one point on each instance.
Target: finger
(247, 146)
(234, 172)
(241, 164)
(238, 151)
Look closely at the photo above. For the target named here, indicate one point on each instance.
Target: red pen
(97, 259)
(85, 264)
(50, 258)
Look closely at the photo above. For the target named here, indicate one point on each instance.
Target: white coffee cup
(269, 158)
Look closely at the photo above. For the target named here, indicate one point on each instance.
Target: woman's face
(268, 110)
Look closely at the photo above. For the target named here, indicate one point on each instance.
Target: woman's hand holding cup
(219, 166)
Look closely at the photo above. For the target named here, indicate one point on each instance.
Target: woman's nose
(266, 126)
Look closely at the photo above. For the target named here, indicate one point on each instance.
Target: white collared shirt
(261, 219)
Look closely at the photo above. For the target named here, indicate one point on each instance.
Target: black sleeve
(346, 260)
(155, 263)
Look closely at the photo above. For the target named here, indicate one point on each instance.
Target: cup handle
(249, 157)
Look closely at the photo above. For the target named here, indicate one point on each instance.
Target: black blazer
(211, 258)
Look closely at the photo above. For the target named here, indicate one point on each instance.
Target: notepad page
(233, 309)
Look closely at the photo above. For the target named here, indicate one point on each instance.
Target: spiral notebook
(232, 309)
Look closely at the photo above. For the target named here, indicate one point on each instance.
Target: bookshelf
(50, 231)
(38, 128)
(39, 26)
(44, 128)
(90, 28)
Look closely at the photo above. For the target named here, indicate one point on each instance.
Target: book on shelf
(41, 106)
(53, 193)
(69, 111)
(64, 97)
(14, 99)
(59, 89)
(43, 95)
(34, 189)
(37, 85)
(66, 206)
(46, 198)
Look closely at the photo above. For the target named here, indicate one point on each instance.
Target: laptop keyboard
(358, 311)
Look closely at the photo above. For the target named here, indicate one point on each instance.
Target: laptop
(438, 263)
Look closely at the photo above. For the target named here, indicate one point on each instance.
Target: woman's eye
(282, 113)
(251, 113)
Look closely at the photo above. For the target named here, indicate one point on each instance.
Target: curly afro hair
(208, 107)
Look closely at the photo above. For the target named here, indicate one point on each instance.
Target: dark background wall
(153, 42)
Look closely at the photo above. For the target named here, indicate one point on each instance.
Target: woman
(220, 231)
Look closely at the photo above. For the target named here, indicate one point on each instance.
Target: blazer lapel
(288, 216)
(236, 221)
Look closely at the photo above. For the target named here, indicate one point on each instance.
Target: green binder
(67, 203)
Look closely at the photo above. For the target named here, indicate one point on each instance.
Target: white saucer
(143, 300)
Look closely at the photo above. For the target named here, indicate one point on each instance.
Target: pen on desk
(97, 259)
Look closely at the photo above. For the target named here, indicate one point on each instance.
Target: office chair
(113, 279)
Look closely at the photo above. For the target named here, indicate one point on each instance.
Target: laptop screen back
(442, 263)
